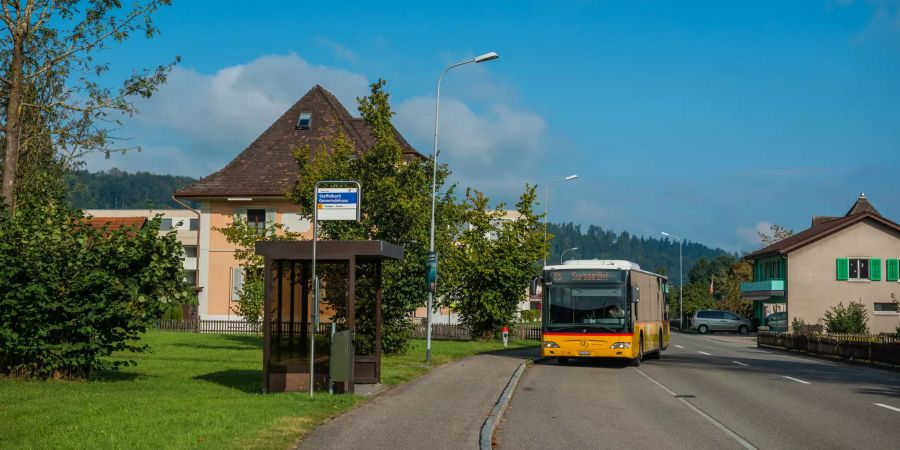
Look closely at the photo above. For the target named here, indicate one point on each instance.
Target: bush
(851, 319)
(798, 326)
(530, 316)
(71, 295)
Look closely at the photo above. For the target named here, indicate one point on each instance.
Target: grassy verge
(192, 391)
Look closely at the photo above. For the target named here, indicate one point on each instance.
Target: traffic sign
(337, 203)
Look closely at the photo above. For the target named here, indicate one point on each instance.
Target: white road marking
(795, 379)
(741, 364)
(697, 410)
(886, 406)
(678, 346)
(704, 353)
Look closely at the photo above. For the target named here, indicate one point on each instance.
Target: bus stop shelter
(288, 309)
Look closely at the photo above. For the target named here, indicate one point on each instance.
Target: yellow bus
(603, 309)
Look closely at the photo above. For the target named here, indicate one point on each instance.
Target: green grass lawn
(191, 391)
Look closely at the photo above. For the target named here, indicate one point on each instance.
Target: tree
(728, 289)
(50, 69)
(396, 207)
(489, 265)
(71, 295)
(245, 235)
(696, 298)
(775, 234)
(853, 318)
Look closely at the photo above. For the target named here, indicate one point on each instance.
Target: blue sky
(704, 119)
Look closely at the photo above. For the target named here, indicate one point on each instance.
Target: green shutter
(843, 269)
(875, 269)
(893, 269)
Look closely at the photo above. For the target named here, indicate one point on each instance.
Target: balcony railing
(762, 286)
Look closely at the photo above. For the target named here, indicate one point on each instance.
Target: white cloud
(207, 119)
(198, 122)
(496, 146)
(749, 235)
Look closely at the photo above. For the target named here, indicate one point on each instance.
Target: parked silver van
(715, 320)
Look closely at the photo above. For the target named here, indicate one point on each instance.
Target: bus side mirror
(635, 293)
(532, 286)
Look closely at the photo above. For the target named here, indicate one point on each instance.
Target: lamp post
(546, 207)
(490, 56)
(680, 281)
(564, 252)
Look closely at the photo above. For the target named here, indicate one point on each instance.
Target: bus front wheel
(637, 361)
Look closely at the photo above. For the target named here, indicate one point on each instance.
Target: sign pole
(343, 201)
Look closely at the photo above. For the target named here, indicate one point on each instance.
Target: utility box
(340, 368)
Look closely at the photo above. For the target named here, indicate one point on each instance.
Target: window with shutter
(858, 269)
(875, 269)
(843, 269)
(893, 269)
(256, 218)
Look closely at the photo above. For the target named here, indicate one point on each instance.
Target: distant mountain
(116, 189)
(656, 255)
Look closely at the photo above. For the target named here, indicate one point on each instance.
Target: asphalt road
(714, 391)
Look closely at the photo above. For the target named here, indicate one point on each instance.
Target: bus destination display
(587, 276)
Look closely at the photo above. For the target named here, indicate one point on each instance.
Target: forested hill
(116, 189)
(657, 255)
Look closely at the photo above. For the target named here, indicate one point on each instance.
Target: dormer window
(304, 121)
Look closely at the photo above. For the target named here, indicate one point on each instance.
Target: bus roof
(609, 264)
(618, 264)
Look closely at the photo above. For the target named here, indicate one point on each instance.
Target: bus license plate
(584, 353)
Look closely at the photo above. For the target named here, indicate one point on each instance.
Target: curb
(490, 424)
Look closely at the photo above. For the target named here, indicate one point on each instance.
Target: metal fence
(438, 331)
(883, 348)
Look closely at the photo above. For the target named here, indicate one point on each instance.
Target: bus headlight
(621, 345)
(550, 344)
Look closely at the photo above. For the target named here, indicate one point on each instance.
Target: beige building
(836, 260)
(254, 186)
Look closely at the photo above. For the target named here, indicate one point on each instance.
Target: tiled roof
(823, 226)
(818, 220)
(862, 205)
(267, 166)
(115, 223)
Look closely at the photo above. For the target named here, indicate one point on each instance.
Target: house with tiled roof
(853, 257)
(254, 186)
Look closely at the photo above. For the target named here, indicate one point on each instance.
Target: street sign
(431, 269)
(337, 203)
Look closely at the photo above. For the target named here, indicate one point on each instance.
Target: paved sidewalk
(441, 410)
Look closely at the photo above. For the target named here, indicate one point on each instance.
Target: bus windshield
(581, 306)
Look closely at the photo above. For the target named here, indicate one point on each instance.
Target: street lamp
(546, 207)
(564, 252)
(490, 56)
(680, 281)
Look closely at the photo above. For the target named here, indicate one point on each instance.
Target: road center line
(704, 353)
(697, 410)
(741, 364)
(795, 379)
(678, 346)
(887, 406)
